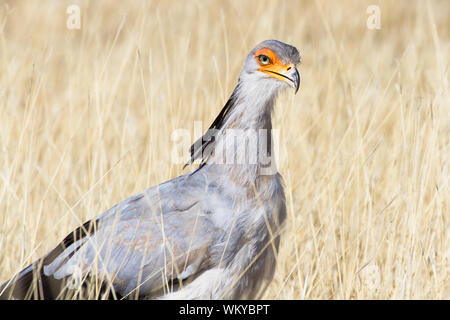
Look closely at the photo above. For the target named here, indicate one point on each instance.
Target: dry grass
(86, 117)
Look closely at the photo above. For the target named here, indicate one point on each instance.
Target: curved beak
(294, 76)
(287, 73)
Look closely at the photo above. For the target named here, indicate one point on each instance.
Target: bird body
(209, 234)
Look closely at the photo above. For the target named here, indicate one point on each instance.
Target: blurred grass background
(86, 118)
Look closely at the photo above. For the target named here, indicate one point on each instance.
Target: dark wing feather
(32, 283)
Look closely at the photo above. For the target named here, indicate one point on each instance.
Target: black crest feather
(202, 148)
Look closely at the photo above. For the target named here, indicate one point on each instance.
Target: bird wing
(146, 244)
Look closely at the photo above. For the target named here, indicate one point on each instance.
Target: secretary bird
(212, 233)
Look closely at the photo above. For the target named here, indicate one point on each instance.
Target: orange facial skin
(276, 69)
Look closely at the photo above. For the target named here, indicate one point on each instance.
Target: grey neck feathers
(240, 137)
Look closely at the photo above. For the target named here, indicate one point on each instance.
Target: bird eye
(264, 59)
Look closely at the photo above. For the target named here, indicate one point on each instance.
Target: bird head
(268, 69)
(272, 65)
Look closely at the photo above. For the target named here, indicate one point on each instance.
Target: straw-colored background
(86, 118)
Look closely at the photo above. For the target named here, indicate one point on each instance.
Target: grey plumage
(285, 52)
(212, 233)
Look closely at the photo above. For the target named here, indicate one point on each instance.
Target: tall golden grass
(86, 118)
